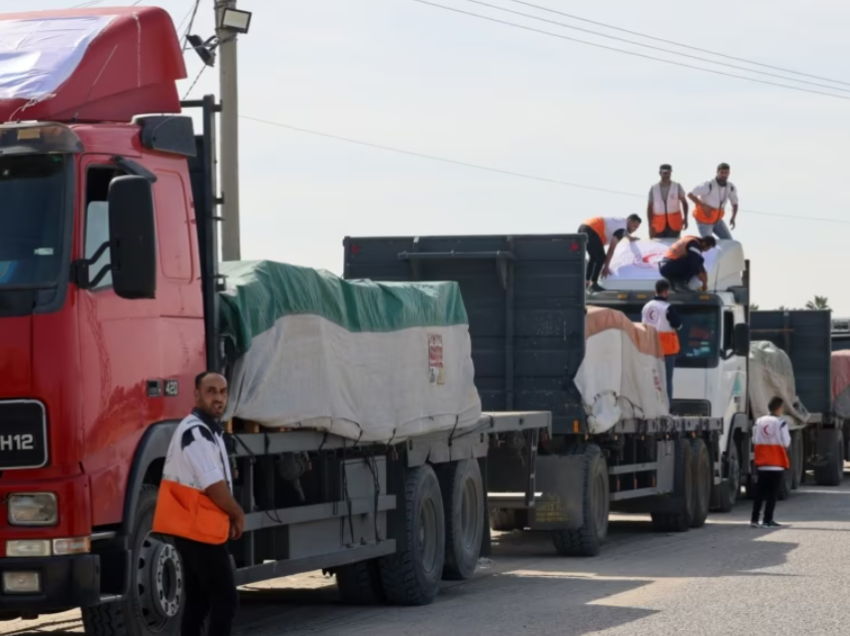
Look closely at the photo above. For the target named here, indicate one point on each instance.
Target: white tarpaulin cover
(841, 382)
(37, 56)
(622, 375)
(374, 362)
(771, 375)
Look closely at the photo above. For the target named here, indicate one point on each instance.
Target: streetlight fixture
(235, 20)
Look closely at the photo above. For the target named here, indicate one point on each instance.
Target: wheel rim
(470, 508)
(428, 535)
(159, 582)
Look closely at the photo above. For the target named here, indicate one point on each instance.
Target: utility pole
(229, 134)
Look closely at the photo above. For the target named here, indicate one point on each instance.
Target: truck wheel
(463, 505)
(683, 491)
(412, 575)
(702, 482)
(832, 472)
(797, 459)
(729, 489)
(588, 540)
(505, 520)
(360, 583)
(156, 584)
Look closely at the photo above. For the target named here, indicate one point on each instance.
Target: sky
(402, 74)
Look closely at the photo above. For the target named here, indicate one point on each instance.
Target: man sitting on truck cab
(663, 317)
(600, 232)
(684, 261)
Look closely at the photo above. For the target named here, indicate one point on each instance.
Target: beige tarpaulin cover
(770, 375)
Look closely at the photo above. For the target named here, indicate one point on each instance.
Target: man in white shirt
(710, 200)
(770, 439)
(667, 207)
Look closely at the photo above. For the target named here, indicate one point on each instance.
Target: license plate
(23, 435)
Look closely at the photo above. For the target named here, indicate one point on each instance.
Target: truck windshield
(32, 204)
(699, 336)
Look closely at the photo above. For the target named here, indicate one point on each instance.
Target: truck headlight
(33, 509)
(28, 548)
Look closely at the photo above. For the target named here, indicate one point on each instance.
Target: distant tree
(754, 307)
(819, 302)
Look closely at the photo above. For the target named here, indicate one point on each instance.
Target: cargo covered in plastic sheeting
(367, 361)
(841, 382)
(772, 375)
(622, 375)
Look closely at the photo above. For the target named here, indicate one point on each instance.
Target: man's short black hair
(199, 379)
(662, 286)
(635, 218)
(665, 166)
(775, 404)
(723, 166)
(708, 241)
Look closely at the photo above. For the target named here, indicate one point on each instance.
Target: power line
(191, 24)
(632, 53)
(195, 81)
(656, 48)
(684, 46)
(511, 173)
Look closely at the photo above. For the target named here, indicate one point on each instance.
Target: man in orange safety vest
(667, 209)
(684, 261)
(663, 317)
(602, 231)
(770, 439)
(196, 507)
(710, 200)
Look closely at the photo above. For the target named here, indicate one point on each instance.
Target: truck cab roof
(634, 266)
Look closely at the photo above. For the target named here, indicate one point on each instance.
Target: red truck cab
(101, 307)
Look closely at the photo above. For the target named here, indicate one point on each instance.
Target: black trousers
(767, 487)
(678, 272)
(667, 233)
(596, 252)
(209, 586)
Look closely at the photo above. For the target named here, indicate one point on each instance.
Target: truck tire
(506, 520)
(683, 490)
(412, 575)
(360, 583)
(729, 489)
(831, 473)
(798, 459)
(155, 596)
(588, 540)
(701, 482)
(463, 506)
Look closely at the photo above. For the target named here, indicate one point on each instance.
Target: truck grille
(691, 407)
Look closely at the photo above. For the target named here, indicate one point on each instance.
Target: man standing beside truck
(667, 209)
(771, 438)
(684, 261)
(196, 507)
(710, 204)
(663, 317)
(600, 232)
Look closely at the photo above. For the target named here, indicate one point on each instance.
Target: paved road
(726, 578)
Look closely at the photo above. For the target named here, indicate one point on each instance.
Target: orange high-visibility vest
(680, 248)
(708, 216)
(605, 227)
(767, 440)
(182, 507)
(666, 213)
(654, 313)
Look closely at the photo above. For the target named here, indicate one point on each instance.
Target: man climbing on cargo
(663, 317)
(196, 507)
(600, 232)
(710, 200)
(771, 438)
(684, 261)
(667, 209)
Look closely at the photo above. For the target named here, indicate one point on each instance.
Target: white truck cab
(711, 370)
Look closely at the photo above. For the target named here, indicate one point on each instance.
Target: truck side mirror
(132, 235)
(741, 339)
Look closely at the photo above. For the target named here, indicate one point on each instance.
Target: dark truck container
(807, 339)
(525, 297)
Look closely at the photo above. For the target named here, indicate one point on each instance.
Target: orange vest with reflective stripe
(597, 224)
(708, 216)
(767, 441)
(182, 508)
(680, 248)
(654, 314)
(666, 213)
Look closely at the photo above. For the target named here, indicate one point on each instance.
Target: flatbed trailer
(525, 296)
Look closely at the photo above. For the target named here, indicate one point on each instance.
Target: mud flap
(559, 507)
